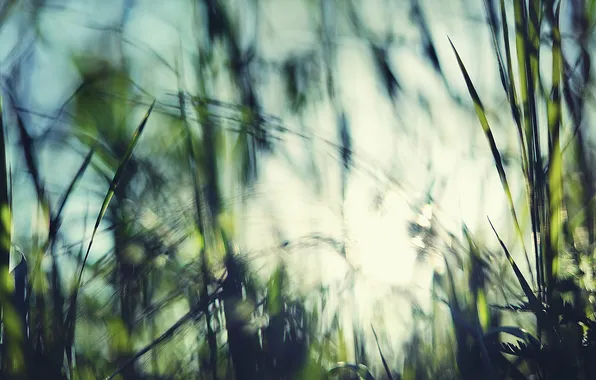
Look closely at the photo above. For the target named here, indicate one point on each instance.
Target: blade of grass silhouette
(533, 301)
(494, 150)
(387, 370)
(55, 221)
(31, 162)
(506, 74)
(463, 327)
(114, 183)
(494, 33)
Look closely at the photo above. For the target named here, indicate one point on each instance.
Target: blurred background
(296, 189)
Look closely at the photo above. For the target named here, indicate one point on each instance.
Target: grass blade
(114, 184)
(387, 370)
(54, 224)
(533, 301)
(70, 322)
(493, 147)
(555, 175)
(10, 348)
(512, 91)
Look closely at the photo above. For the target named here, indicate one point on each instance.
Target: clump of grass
(559, 341)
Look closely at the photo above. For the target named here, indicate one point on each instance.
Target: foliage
(175, 297)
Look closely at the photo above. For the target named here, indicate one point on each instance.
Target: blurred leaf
(384, 71)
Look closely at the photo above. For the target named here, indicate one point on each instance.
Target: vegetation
(159, 286)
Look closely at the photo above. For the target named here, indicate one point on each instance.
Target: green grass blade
(520, 43)
(10, 350)
(70, 322)
(114, 184)
(512, 91)
(535, 18)
(555, 175)
(493, 147)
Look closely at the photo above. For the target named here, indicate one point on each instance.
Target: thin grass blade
(493, 147)
(534, 303)
(555, 167)
(70, 321)
(114, 184)
(62, 203)
(385, 365)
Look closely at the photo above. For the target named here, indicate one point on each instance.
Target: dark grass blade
(29, 149)
(55, 223)
(493, 147)
(508, 81)
(533, 301)
(387, 370)
(493, 24)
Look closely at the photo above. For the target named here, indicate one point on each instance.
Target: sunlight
(379, 241)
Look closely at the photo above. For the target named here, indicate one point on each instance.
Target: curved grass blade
(55, 221)
(54, 224)
(70, 322)
(533, 301)
(114, 184)
(29, 152)
(493, 147)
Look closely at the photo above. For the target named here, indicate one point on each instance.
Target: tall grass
(540, 326)
(491, 341)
